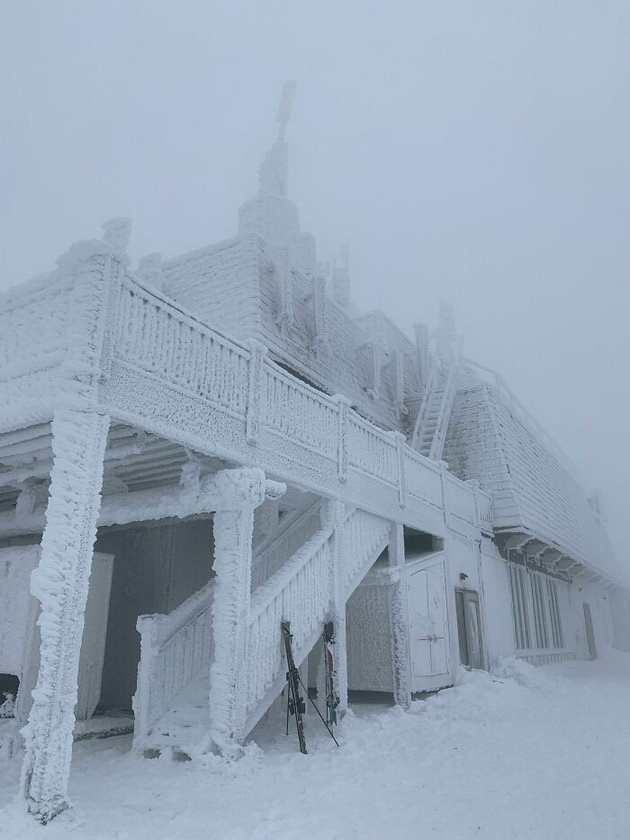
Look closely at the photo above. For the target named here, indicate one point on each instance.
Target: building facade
(195, 450)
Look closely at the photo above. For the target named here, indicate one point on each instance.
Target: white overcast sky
(466, 149)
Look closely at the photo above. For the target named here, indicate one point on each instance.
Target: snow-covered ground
(526, 753)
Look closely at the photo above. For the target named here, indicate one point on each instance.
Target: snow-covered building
(195, 450)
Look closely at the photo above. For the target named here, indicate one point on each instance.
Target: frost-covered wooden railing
(272, 554)
(215, 390)
(303, 591)
(174, 649)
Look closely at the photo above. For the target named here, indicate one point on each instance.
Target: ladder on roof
(429, 434)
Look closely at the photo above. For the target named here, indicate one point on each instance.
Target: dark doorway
(469, 628)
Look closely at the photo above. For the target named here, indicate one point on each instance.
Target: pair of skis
(295, 702)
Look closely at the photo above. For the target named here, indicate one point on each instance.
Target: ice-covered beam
(534, 549)
(161, 503)
(515, 542)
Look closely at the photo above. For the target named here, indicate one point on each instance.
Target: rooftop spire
(274, 168)
(270, 214)
(285, 107)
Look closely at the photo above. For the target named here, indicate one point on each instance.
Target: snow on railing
(484, 508)
(423, 478)
(299, 412)
(161, 339)
(299, 592)
(459, 500)
(275, 554)
(174, 649)
(362, 535)
(371, 450)
(156, 336)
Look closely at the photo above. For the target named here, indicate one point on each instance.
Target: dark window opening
(419, 542)
(9, 685)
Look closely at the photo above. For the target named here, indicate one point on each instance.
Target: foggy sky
(473, 151)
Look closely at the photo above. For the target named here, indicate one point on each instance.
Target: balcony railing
(156, 336)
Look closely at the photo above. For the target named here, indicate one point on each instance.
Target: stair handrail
(169, 624)
(157, 632)
(268, 590)
(275, 601)
(424, 405)
(271, 545)
(441, 427)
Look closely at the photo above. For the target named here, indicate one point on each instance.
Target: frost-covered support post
(61, 580)
(333, 515)
(258, 353)
(399, 441)
(61, 584)
(399, 617)
(240, 492)
(343, 413)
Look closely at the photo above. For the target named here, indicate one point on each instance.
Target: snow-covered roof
(533, 492)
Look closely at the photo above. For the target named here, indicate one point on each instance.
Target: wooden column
(399, 618)
(61, 584)
(333, 514)
(241, 491)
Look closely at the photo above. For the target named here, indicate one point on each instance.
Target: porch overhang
(543, 554)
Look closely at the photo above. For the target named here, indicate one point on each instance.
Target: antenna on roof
(286, 106)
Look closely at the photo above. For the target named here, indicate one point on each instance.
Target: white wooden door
(430, 652)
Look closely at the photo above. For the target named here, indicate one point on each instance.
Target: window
(557, 638)
(519, 607)
(535, 603)
(540, 616)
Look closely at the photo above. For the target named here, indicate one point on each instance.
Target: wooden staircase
(300, 575)
(429, 434)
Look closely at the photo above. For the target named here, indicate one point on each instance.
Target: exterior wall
(472, 452)
(496, 604)
(599, 601)
(34, 332)
(338, 358)
(221, 285)
(370, 663)
(620, 611)
(19, 631)
(155, 569)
